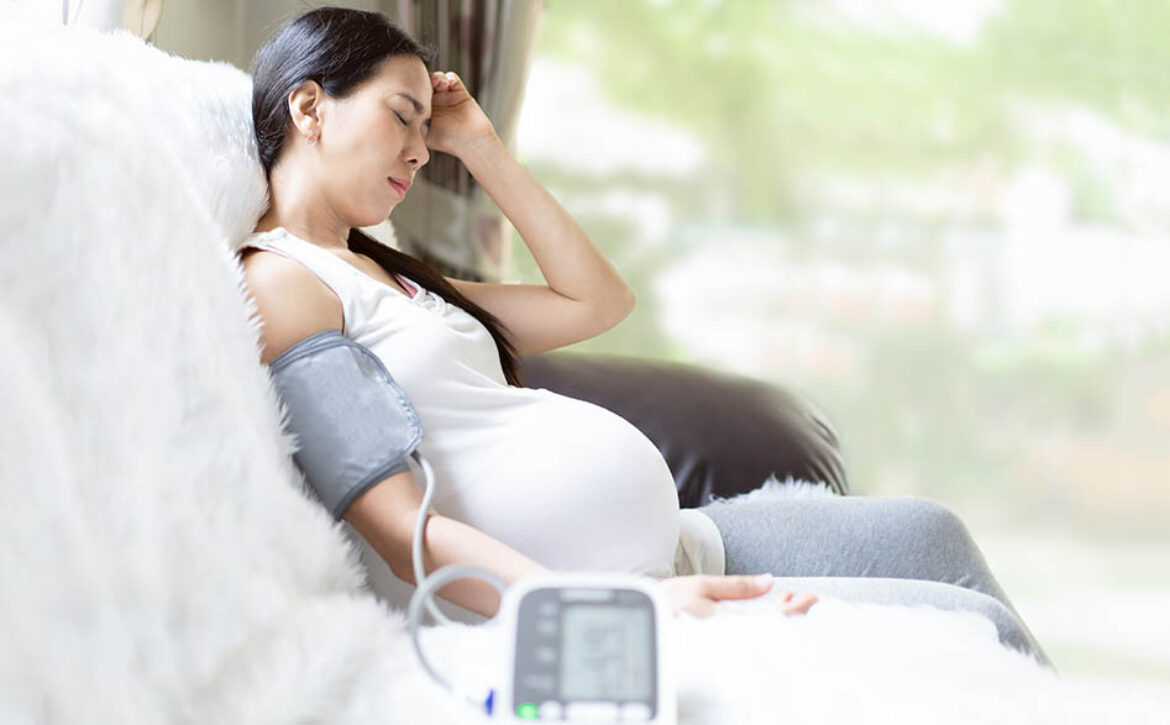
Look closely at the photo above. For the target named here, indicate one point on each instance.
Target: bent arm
(573, 267)
(584, 295)
(385, 516)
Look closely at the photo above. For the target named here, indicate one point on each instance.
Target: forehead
(403, 74)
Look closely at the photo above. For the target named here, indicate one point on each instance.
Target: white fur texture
(841, 663)
(158, 555)
(792, 488)
(159, 560)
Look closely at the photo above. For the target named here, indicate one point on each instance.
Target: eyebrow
(418, 107)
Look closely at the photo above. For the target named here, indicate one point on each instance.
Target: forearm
(570, 263)
(385, 516)
(447, 541)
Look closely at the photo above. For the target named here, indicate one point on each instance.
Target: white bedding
(158, 561)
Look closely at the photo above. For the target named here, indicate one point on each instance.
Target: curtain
(448, 220)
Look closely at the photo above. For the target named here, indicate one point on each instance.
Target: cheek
(360, 128)
(383, 141)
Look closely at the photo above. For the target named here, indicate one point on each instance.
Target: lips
(399, 185)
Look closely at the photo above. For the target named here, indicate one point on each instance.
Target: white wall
(232, 30)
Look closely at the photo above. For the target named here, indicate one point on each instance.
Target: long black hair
(340, 48)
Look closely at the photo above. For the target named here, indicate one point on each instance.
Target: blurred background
(944, 222)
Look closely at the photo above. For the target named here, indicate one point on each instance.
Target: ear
(304, 106)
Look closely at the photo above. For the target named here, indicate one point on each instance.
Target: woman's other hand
(697, 595)
(458, 124)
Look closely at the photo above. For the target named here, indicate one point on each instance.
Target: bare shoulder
(291, 301)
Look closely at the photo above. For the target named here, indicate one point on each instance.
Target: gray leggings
(884, 550)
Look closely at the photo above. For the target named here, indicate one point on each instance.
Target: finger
(787, 597)
(801, 604)
(702, 609)
(736, 587)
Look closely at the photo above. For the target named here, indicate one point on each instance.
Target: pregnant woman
(346, 112)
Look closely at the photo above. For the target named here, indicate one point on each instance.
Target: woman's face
(372, 143)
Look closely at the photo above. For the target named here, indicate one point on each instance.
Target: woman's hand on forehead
(458, 124)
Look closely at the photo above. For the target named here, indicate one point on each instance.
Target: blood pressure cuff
(354, 426)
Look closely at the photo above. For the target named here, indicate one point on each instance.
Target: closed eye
(400, 118)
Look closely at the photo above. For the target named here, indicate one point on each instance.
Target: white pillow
(204, 108)
(201, 108)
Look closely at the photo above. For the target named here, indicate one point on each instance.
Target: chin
(372, 218)
(391, 207)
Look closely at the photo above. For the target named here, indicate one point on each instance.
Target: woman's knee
(934, 521)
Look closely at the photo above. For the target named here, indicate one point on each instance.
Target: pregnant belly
(575, 488)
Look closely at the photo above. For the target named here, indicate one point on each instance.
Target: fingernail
(763, 579)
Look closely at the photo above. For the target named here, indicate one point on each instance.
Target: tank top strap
(331, 271)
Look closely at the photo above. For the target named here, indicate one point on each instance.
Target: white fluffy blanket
(159, 561)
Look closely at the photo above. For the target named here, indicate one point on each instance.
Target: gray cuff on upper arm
(354, 426)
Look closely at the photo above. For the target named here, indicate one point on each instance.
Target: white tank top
(568, 483)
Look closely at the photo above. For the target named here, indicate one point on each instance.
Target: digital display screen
(606, 653)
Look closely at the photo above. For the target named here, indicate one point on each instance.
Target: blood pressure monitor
(586, 648)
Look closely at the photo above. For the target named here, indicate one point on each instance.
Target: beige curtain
(447, 219)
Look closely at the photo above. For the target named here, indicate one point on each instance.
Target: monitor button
(543, 683)
(546, 655)
(547, 627)
(592, 711)
(635, 712)
(551, 710)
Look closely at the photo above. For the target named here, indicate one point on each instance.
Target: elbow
(402, 571)
(618, 308)
(606, 312)
(400, 558)
(401, 563)
(385, 517)
(629, 301)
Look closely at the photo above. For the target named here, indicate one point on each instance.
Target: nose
(415, 151)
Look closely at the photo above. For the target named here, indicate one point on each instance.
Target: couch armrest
(721, 434)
